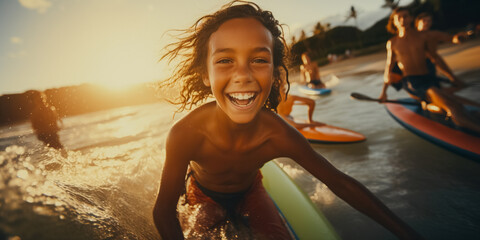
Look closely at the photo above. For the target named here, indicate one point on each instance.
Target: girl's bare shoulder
(274, 125)
(192, 123)
(288, 141)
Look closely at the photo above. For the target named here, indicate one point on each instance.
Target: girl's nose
(243, 74)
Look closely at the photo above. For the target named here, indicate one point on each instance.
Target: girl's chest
(224, 158)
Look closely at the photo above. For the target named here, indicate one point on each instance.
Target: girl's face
(240, 67)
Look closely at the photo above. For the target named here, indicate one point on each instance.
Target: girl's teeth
(242, 96)
(242, 99)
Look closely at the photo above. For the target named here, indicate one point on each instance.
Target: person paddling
(410, 48)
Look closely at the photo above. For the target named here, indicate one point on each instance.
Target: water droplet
(23, 174)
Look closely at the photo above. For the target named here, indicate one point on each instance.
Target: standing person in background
(44, 119)
(310, 73)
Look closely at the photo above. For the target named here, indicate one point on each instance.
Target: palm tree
(327, 27)
(391, 4)
(303, 36)
(294, 40)
(319, 29)
(352, 14)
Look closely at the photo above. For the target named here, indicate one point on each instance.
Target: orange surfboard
(331, 134)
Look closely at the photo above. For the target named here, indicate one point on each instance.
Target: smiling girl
(214, 153)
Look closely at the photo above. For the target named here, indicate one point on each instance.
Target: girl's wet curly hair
(193, 47)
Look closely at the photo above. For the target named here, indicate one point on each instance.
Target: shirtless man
(310, 73)
(423, 23)
(410, 48)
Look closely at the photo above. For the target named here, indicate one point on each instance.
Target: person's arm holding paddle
(438, 60)
(388, 72)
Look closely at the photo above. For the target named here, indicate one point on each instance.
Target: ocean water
(104, 185)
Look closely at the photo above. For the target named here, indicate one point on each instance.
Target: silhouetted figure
(45, 120)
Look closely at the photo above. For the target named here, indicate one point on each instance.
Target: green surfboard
(304, 219)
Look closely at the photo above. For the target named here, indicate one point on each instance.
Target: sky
(55, 43)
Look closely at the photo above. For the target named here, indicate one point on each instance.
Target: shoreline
(461, 58)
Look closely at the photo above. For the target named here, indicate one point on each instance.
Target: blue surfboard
(314, 91)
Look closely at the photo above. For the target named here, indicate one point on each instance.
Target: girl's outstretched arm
(345, 187)
(178, 156)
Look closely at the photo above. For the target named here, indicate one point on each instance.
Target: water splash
(190, 215)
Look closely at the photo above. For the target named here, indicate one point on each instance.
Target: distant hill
(74, 100)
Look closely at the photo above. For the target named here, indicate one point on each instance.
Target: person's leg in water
(454, 109)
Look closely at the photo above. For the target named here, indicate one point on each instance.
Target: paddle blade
(360, 96)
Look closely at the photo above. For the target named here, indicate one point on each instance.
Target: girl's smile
(242, 100)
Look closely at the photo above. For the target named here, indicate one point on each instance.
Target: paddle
(360, 96)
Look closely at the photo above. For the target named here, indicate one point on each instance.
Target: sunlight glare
(117, 85)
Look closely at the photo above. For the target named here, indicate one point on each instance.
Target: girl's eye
(259, 60)
(225, 60)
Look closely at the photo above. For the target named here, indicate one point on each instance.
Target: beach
(462, 59)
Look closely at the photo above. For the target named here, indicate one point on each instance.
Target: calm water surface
(104, 186)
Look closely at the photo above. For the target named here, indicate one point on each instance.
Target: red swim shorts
(256, 208)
